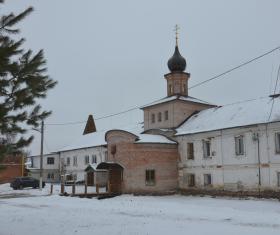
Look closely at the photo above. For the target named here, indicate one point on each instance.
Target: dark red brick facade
(10, 168)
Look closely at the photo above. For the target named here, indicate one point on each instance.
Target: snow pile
(239, 114)
(138, 215)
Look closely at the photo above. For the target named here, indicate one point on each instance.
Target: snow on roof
(98, 138)
(149, 138)
(176, 97)
(87, 141)
(146, 138)
(251, 112)
(92, 166)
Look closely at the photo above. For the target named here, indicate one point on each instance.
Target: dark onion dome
(177, 63)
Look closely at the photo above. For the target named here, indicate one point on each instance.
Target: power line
(196, 85)
(235, 68)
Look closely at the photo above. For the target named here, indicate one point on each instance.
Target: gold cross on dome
(176, 29)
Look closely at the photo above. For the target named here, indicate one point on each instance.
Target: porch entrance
(90, 178)
(115, 175)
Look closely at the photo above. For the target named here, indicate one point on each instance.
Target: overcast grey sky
(109, 56)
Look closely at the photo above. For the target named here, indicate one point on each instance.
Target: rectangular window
(50, 160)
(68, 161)
(191, 180)
(166, 115)
(277, 142)
(190, 151)
(86, 159)
(206, 148)
(278, 179)
(153, 118)
(150, 177)
(239, 145)
(159, 117)
(207, 179)
(75, 163)
(93, 159)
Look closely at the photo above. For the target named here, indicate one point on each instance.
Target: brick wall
(12, 168)
(137, 158)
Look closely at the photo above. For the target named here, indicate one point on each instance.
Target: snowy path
(138, 215)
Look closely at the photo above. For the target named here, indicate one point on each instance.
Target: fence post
(51, 189)
(73, 189)
(62, 186)
(85, 189)
(97, 188)
(109, 186)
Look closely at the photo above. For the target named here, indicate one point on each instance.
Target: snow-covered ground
(129, 214)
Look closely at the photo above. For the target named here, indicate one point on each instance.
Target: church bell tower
(177, 79)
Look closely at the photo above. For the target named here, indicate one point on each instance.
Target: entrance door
(115, 179)
(90, 178)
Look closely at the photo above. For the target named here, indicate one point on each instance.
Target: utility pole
(41, 155)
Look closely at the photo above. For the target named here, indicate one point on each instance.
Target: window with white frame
(207, 179)
(239, 145)
(278, 179)
(190, 151)
(86, 159)
(68, 161)
(93, 159)
(206, 148)
(277, 142)
(75, 162)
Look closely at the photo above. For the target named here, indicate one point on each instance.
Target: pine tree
(23, 82)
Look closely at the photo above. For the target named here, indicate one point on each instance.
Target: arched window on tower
(170, 89)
